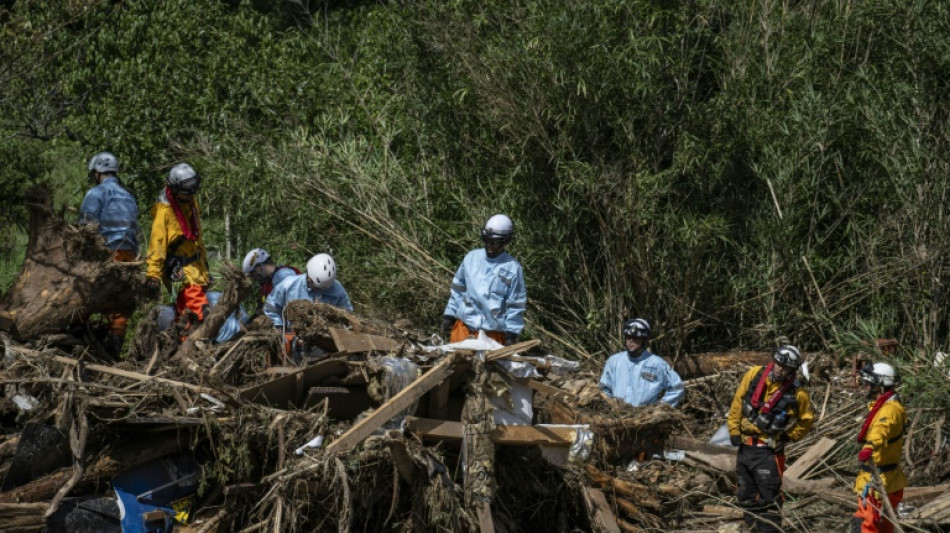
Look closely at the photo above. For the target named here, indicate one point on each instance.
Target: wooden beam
(352, 342)
(391, 408)
(916, 495)
(506, 435)
(485, 522)
(544, 388)
(810, 458)
(602, 519)
(501, 353)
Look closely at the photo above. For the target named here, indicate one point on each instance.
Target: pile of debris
(377, 428)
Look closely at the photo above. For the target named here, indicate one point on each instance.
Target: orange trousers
(460, 332)
(193, 298)
(118, 321)
(871, 512)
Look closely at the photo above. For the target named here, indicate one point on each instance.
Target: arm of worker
(157, 245)
(454, 305)
(274, 306)
(607, 379)
(516, 302)
(734, 419)
(343, 300)
(89, 209)
(675, 388)
(805, 416)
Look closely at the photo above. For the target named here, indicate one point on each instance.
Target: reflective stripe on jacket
(114, 209)
(641, 380)
(295, 288)
(886, 436)
(488, 293)
(165, 230)
(740, 425)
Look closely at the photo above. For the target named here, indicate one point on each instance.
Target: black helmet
(636, 327)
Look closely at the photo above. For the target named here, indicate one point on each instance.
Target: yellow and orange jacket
(741, 425)
(886, 437)
(165, 230)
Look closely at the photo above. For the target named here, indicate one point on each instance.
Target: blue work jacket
(295, 288)
(488, 293)
(641, 380)
(114, 209)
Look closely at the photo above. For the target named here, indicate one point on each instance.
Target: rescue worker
(176, 248)
(261, 267)
(488, 291)
(234, 323)
(882, 439)
(637, 375)
(110, 206)
(769, 409)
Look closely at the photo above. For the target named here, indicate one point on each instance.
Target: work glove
(153, 286)
(865, 454)
(510, 338)
(447, 323)
(735, 440)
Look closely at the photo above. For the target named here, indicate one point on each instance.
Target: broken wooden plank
(501, 353)
(485, 522)
(601, 517)
(921, 495)
(352, 342)
(810, 458)
(394, 406)
(284, 391)
(506, 435)
(549, 390)
(724, 511)
(937, 512)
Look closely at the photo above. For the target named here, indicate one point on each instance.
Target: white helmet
(321, 269)
(788, 355)
(183, 179)
(880, 375)
(104, 162)
(498, 226)
(254, 258)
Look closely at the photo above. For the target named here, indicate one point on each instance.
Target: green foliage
(734, 173)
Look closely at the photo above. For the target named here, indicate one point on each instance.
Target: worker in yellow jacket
(176, 251)
(882, 439)
(769, 409)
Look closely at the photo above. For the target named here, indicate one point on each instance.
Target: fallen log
(67, 274)
(106, 467)
(22, 517)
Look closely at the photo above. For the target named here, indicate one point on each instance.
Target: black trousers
(759, 487)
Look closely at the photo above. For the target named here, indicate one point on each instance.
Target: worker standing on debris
(261, 267)
(638, 376)
(882, 439)
(113, 208)
(769, 409)
(488, 291)
(176, 252)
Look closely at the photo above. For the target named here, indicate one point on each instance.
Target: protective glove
(865, 454)
(153, 286)
(510, 338)
(735, 440)
(447, 323)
